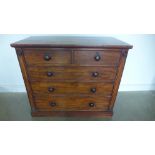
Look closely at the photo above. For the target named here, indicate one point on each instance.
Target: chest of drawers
(71, 75)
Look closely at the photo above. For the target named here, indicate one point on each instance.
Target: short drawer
(98, 58)
(84, 74)
(47, 57)
(55, 88)
(71, 103)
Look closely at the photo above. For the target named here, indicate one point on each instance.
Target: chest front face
(72, 81)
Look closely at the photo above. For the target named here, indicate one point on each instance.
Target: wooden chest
(71, 75)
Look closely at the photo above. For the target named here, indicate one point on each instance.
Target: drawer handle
(51, 89)
(92, 104)
(93, 90)
(95, 74)
(52, 104)
(97, 57)
(49, 74)
(47, 57)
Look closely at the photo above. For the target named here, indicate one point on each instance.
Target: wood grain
(108, 57)
(72, 88)
(36, 56)
(71, 42)
(118, 78)
(72, 74)
(71, 103)
(21, 60)
(75, 114)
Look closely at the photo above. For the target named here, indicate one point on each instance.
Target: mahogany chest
(71, 75)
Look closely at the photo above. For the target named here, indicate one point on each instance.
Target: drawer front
(71, 103)
(44, 74)
(47, 57)
(98, 58)
(72, 88)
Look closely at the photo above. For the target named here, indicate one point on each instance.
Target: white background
(77, 17)
(139, 72)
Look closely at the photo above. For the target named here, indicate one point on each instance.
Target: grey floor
(130, 106)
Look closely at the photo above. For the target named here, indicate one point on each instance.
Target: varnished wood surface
(71, 103)
(72, 88)
(93, 114)
(60, 57)
(118, 77)
(71, 41)
(21, 59)
(72, 74)
(36, 57)
(107, 57)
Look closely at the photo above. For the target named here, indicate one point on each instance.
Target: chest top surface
(70, 42)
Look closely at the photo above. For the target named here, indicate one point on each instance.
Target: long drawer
(69, 103)
(55, 88)
(83, 74)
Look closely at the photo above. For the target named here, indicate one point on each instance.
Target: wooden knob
(51, 89)
(52, 104)
(97, 57)
(50, 74)
(92, 104)
(93, 90)
(47, 57)
(95, 74)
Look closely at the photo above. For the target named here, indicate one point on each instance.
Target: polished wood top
(71, 42)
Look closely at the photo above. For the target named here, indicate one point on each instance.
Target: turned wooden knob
(93, 90)
(97, 57)
(47, 57)
(51, 89)
(52, 104)
(92, 104)
(49, 74)
(95, 74)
